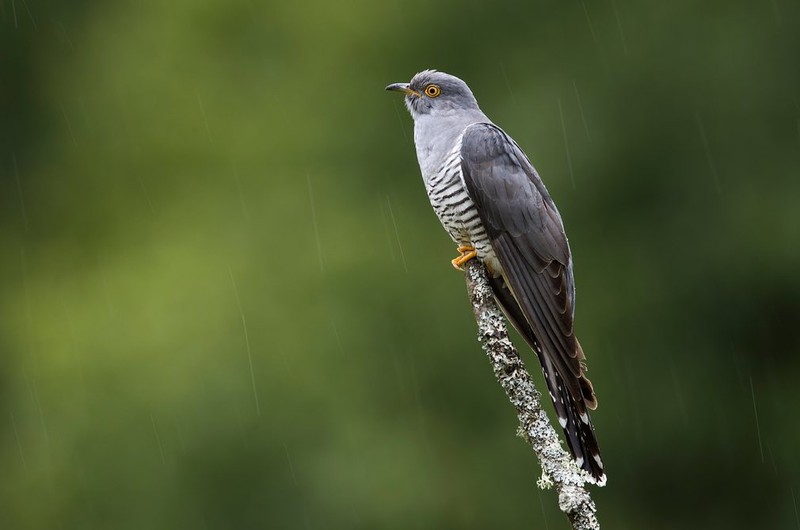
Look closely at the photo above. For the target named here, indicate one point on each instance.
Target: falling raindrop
(566, 144)
(246, 341)
(397, 234)
(314, 222)
(758, 427)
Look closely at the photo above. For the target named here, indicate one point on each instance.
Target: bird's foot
(467, 253)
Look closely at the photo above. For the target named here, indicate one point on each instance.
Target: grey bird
(491, 201)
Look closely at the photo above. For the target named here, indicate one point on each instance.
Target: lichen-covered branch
(558, 467)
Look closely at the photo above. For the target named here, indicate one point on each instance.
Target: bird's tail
(572, 414)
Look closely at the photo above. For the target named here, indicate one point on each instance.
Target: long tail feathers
(572, 414)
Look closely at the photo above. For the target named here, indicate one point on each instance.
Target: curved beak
(404, 88)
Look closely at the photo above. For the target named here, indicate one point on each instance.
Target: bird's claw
(467, 253)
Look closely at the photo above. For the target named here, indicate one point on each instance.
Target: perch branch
(558, 467)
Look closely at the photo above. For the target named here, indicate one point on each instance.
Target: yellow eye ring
(433, 91)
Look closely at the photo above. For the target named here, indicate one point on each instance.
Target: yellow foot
(467, 253)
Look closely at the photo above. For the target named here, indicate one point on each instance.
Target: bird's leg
(467, 253)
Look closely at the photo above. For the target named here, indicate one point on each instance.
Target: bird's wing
(528, 238)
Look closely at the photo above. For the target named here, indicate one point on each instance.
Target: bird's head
(435, 93)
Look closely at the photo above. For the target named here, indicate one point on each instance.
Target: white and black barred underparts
(454, 207)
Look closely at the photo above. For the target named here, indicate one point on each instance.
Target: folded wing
(527, 236)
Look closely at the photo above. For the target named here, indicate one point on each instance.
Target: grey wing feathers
(528, 237)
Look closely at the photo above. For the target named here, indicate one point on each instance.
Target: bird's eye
(432, 91)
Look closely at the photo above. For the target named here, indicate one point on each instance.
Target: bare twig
(558, 467)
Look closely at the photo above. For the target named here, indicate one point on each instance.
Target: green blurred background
(226, 303)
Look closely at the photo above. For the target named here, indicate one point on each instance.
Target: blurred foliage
(226, 302)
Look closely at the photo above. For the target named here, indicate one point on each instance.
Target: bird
(495, 207)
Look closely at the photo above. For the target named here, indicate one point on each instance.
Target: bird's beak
(404, 88)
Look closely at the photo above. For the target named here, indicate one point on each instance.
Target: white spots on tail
(563, 422)
(585, 418)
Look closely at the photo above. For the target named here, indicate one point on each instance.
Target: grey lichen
(558, 467)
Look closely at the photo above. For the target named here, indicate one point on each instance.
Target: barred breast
(456, 210)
